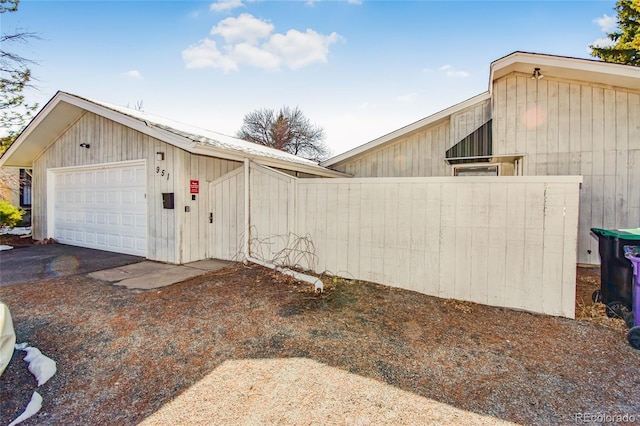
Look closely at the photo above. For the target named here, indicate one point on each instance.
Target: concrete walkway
(148, 275)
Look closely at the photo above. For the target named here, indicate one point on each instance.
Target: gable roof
(407, 129)
(64, 109)
(589, 70)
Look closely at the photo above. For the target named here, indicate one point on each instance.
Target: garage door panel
(128, 243)
(127, 220)
(90, 237)
(102, 208)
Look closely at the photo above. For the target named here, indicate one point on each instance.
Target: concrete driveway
(33, 263)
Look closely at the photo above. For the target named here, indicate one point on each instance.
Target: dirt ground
(124, 356)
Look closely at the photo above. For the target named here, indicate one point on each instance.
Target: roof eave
(441, 115)
(567, 67)
(227, 154)
(156, 132)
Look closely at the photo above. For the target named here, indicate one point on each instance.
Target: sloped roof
(407, 129)
(588, 70)
(65, 108)
(566, 67)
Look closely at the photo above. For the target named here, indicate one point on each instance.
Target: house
(543, 115)
(116, 179)
(417, 209)
(15, 187)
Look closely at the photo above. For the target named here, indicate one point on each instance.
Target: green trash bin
(616, 271)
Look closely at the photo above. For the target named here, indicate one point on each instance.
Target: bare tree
(15, 76)
(287, 130)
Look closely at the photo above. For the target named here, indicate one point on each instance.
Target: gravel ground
(245, 345)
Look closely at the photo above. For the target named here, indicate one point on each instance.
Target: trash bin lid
(625, 234)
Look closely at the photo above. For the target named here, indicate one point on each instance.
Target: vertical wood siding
(463, 123)
(574, 128)
(271, 209)
(227, 205)
(418, 154)
(421, 153)
(174, 236)
(499, 241)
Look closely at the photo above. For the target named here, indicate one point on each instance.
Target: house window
(25, 188)
(476, 170)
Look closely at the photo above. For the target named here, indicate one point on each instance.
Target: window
(25, 188)
(476, 170)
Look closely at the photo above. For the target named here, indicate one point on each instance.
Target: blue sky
(359, 69)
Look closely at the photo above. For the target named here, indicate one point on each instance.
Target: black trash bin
(616, 271)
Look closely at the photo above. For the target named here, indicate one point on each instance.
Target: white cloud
(251, 41)
(205, 54)
(248, 54)
(244, 28)
(225, 5)
(299, 49)
(354, 1)
(451, 72)
(606, 23)
(457, 74)
(602, 42)
(135, 74)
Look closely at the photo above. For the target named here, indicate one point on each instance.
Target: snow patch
(41, 366)
(21, 230)
(34, 405)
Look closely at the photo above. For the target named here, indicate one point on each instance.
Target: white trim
(588, 70)
(247, 208)
(444, 179)
(167, 134)
(445, 113)
(474, 165)
(98, 166)
(577, 64)
(226, 176)
(51, 203)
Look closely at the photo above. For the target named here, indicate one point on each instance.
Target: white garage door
(102, 208)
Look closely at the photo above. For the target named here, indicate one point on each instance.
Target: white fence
(501, 241)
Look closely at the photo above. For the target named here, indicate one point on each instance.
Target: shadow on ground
(122, 356)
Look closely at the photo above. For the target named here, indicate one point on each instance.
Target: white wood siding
(226, 237)
(173, 234)
(420, 153)
(575, 128)
(499, 241)
(271, 208)
(465, 122)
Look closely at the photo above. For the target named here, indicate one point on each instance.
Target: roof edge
(163, 134)
(29, 127)
(407, 129)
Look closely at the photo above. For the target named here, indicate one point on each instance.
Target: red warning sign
(195, 186)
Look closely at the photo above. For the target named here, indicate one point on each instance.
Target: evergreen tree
(626, 37)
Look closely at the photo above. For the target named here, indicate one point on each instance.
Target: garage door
(102, 208)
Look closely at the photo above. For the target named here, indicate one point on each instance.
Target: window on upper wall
(476, 170)
(25, 188)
